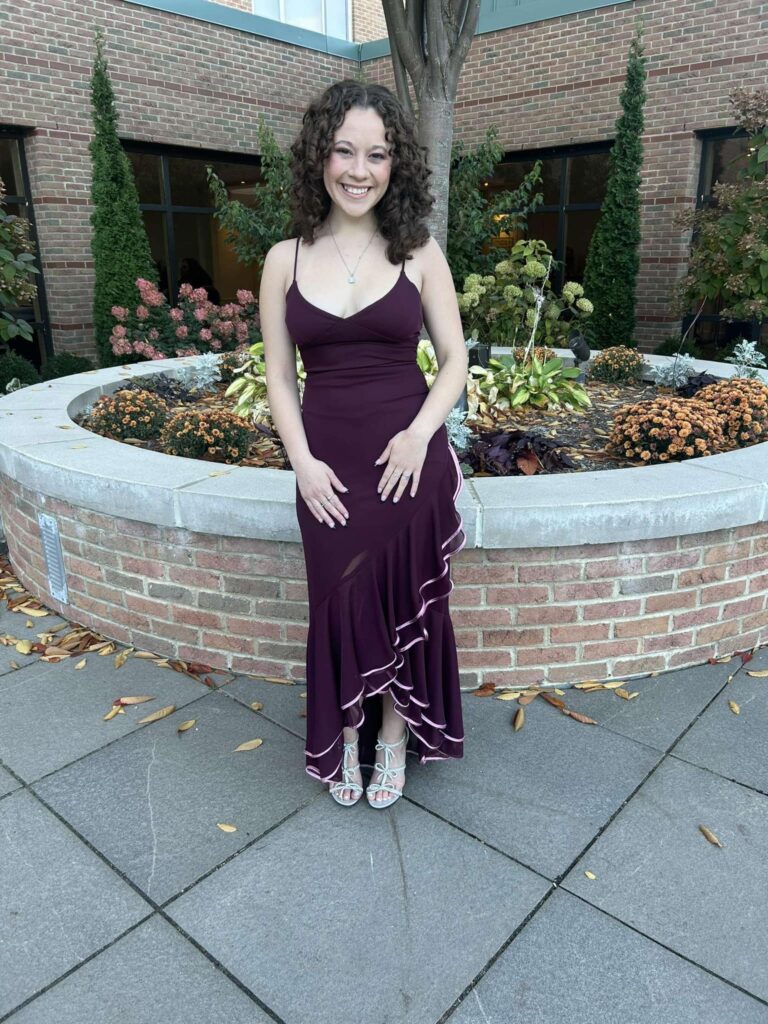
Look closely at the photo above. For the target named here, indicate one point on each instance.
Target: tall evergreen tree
(613, 258)
(119, 243)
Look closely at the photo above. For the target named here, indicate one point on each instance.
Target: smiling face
(360, 158)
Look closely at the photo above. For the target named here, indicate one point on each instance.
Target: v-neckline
(335, 316)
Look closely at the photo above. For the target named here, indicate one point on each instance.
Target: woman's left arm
(446, 332)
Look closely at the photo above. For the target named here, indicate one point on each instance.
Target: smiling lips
(355, 195)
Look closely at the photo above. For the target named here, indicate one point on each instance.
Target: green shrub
(211, 435)
(63, 364)
(13, 365)
(138, 414)
(671, 345)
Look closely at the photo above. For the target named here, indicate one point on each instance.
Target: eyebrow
(378, 145)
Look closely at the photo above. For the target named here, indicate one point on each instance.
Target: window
(13, 171)
(573, 183)
(186, 241)
(330, 17)
(723, 156)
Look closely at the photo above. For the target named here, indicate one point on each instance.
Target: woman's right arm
(280, 357)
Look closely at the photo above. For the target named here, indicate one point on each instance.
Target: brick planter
(677, 572)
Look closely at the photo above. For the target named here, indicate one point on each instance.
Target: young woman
(376, 479)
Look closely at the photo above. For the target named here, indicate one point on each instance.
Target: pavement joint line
(478, 839)
(245, 704)
(74, 968)
(718, 775)
(110, 743)
(669, 949)
(222, 969)
(489, 963)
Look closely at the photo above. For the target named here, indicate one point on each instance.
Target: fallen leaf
(527, 697)
(622, 693)
(133, 700)
(111, 713)
(613, 684)
(485, 690)
(257, 705)
(590, 875)
(147, 654)
(509, 695)
(186, 725)
(555, 701)
(761, 673)
(36, 612)
(81, 664)
(278, 679)
(249, 745)
(122, 656)
(519, 720)
(734, 707)
(29, 623)
(561, 692)
(579, 717)
(710, 836)
(226, 828)
(109, 649)
(24, 646)
(15, 665)
(158, 714)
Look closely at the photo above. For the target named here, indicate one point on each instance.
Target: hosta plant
(508, 384)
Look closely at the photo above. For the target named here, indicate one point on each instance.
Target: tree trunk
(429, 40)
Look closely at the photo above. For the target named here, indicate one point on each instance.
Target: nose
(358, 168)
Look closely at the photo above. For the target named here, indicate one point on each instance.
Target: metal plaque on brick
(54, 560)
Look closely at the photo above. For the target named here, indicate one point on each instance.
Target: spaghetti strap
(296, 257)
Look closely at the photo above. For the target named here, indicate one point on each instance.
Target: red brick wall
(186, 82)
(557, 82)
(521, 615)
(368, 21)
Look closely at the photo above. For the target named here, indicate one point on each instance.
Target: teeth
(355, 191)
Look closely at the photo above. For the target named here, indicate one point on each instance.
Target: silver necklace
(351, 278)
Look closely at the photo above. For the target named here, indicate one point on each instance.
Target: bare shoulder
(425, 258)
(278, 263)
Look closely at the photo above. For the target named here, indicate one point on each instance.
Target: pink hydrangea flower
(244, 297)
(176, 314)
(205, 334)
(182, 332)
(142, 312)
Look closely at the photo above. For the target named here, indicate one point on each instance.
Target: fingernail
(395, 499)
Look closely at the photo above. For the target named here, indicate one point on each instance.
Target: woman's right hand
(316, 481)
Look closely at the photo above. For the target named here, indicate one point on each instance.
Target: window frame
(561, 208)
(43, 325)
(168, 209)
(706, 136)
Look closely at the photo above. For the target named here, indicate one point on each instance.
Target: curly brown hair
(402, 212)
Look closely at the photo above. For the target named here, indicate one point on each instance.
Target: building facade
(191, 78)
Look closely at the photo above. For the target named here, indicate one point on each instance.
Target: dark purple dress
(378, 587)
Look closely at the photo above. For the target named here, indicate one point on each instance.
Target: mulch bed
(582, 433)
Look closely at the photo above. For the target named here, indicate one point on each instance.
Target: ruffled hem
(366, 611)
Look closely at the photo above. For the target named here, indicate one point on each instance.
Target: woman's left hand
(406, 454)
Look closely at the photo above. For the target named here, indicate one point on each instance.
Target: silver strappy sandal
(387, 774)
(347, 781)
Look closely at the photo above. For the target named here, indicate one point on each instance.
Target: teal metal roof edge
(244, 21)
(524, 13)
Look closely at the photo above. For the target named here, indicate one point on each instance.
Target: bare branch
(468, 29)
(401, 77)
(399, 35)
